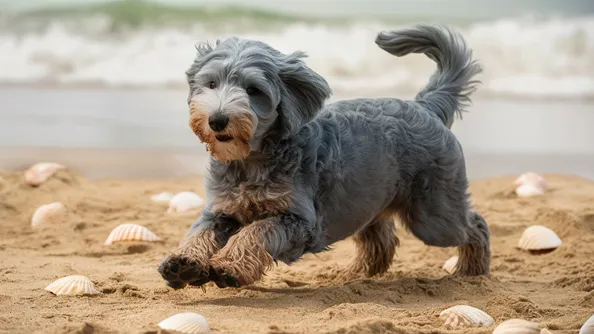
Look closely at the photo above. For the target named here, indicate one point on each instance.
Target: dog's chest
(248, 201)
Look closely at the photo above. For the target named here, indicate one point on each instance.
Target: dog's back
(448, 91)
(391, 150)
(377, 158)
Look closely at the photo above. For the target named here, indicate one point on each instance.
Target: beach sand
(555, 289)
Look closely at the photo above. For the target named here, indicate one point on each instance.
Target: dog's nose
(218, 122)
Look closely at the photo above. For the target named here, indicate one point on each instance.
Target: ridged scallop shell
(185, 323)
(41, 172)
(588, 326)
(185, 202)
(517, 326)
(460, 316)
(72, 285)
(131, 232)
(49, 214)
(450, 264)
(538, 237)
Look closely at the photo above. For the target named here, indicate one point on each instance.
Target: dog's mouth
(223, 138)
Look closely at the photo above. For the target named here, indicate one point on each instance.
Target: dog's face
(242, 91)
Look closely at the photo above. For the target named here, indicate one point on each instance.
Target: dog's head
(243, 91)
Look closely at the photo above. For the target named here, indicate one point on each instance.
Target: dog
(290, 175)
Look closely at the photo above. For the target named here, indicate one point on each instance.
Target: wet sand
(144, 133)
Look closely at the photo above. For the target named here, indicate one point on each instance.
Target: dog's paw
(224, 278)
(179, 271)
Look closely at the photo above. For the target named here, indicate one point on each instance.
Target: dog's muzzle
(226, 136)
(217, 123)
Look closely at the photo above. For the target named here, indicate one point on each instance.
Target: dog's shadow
(386, 291)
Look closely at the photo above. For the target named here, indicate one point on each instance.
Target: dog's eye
(251, 91)
(212, 85)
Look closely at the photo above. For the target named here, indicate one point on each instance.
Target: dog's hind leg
(438, 213)
(474, 256)
(376, 246)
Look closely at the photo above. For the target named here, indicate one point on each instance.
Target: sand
(555, 289)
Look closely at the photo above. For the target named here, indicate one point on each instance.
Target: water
(548, 52)
(144, 133)
(99, 85)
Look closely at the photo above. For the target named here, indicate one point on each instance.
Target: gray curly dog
(289, 175)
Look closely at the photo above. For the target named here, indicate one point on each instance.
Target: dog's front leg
(255, 248)
(190, 262)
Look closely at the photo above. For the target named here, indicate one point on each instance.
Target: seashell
(49, 214)
(163, 197)
(539, 238)
(588, 327)
(530, 184)
(41, 172)
(460, 316)
(528, 190)
(533, 179)
(517, 326)
(185, 202)
(72, 285)
(450, 264)
(185, 323)
(130, 232)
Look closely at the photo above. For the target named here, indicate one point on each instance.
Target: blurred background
(99, 85)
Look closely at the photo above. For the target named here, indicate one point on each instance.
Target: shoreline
(397, 92)
(158, 163)
(144, 133)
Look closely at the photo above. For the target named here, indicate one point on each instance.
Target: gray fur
(356, 161)
(448, 91)
(291, 93)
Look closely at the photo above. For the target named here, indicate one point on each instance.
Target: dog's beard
(232, 143)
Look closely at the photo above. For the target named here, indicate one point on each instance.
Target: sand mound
(312, 296)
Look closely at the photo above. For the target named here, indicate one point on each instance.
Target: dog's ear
(202, 50)
(305, 92)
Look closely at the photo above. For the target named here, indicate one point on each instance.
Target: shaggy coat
(290, 176)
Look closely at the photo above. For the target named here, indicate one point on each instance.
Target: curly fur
(318, 174)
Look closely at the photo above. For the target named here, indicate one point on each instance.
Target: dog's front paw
(224, 278)
(179, 271)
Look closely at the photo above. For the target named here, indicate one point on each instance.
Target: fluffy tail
(448, 91)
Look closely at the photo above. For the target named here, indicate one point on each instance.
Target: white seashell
(517, 326)
(130, 232)
(49, 214)
(450, 264)
(185, 323)
(41, 172)
(185, 202)
(72, 285)
(528, 190)
(533, 179)
(530, 184)
(164, 197)
(588, 327)
(465, 316)
(538, 237)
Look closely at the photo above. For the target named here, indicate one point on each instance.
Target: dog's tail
(448, 91)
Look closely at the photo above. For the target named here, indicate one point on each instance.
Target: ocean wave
(525, 57)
